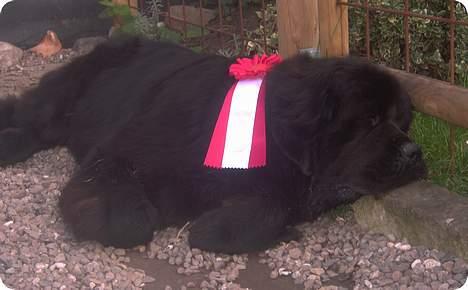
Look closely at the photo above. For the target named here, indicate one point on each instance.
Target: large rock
(87, 44)
(10, 55)
(423, 213)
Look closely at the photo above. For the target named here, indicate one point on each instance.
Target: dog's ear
(299, 107)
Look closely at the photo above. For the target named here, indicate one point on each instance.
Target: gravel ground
(37, 252)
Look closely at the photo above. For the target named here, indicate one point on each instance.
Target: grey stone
(418, 212)
(87, 44)
(10, 55)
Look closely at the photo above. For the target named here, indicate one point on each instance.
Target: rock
(87, 44)
(58, 265)
(109, 276)
(330, 287)
(317, 247)
(317, 271)
(459, 266)
(448, 266)
(415, 262)
(396, 276)
(415, 212)
(368, 284)
(295, 253)
(403, 247)
(10, 55)
(119, 252)
(431, 264)
(149, 279)
(444, 286)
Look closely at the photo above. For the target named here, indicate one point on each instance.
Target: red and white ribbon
(239, 137)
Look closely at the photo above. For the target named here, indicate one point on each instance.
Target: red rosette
(252, 67)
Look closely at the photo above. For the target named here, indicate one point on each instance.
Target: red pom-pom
(252, 67)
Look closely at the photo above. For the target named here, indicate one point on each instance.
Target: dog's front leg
(247, 225)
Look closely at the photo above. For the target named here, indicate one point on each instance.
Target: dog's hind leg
(105, 202)
(39, 118)
(35, 120)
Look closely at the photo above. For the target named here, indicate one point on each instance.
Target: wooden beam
(334, 31)
(436, 98)
(298, 26)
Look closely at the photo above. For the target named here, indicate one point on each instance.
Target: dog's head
(344, 122)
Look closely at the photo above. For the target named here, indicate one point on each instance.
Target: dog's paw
(132, 220)
(211, 233)
(115, 215)
(233, 230)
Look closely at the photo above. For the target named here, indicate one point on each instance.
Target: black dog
(138, 117)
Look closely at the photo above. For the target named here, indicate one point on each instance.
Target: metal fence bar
(169, 12)
(407, 36)
(202, 28)
(368, 47)
(241, 24)
(264, 23)
(220, 16)
(452, 147)
(185, 19)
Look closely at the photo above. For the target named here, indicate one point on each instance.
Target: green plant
(266, 31)
(120, 13)
(148, 24)
(433, 136)
(429, 40)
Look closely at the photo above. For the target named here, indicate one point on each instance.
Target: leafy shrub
(429, 40)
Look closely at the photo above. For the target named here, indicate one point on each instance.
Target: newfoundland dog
(138, 117)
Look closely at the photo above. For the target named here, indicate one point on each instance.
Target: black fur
(138, 117)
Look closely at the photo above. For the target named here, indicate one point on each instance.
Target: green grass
(433, 136)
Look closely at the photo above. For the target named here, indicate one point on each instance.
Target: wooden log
(436, 98)
(298, 25)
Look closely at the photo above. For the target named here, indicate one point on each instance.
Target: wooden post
(132, 3)
(313, 24)
(298, 25)
(334, 33)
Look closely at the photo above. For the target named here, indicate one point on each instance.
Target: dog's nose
(411, 150)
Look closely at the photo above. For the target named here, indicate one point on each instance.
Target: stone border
(423, 213)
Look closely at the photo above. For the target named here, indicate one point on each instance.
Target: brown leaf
(49, 45)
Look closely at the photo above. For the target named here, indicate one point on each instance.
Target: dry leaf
(49, 45)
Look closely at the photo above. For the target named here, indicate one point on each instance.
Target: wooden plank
(298, 25)
(333, 27)
(436, 98)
